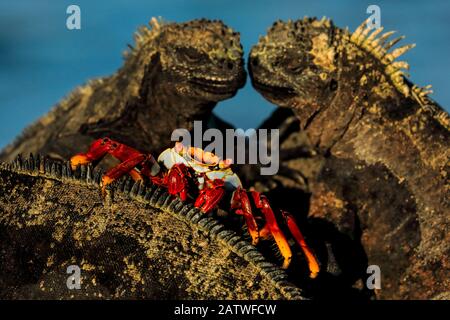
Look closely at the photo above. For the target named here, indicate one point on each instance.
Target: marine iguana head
(310, 65)
(295, 63)
(199, 59)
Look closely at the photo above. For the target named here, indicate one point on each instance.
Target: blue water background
(41, 61)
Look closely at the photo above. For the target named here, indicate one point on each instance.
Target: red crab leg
(121, 169)
(262, 203)
(100, 147)
(296, 233)
(176, 181)
(210, 195)
(241, 204)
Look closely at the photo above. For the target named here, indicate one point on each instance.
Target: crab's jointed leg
(123, 168)
(176, 180)
(130, 159)
(296, 233)
(98, 149)
(241, 204)
(262, 203)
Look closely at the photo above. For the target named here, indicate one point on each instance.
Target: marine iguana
(381, 176)
(175, 74)
(139, 242)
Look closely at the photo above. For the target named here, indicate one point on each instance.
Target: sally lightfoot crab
(191, 172)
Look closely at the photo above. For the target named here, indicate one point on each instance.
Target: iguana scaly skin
(138, 243)
(175, 74)
(382, 174)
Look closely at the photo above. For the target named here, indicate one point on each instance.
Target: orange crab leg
(296, 233)
(262, 203)
(264, 233)
(136, 175)
(241, 204)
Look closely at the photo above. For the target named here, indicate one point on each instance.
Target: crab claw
(176, 181)
(262, 203)
(241, 204)
(296, 233)
(210, 195)
(80, 159)
(98, 149)
(129, 157)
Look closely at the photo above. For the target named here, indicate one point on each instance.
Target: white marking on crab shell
(201, 182)
(170, 157)
(230, 179)
(198, 167)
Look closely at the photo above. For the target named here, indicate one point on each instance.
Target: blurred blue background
(41, 61)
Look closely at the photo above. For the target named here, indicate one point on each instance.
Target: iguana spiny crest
(174, 74)
(202, 56)
(381, 175)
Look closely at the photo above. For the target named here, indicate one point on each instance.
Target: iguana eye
(190, 54)
(295, 66)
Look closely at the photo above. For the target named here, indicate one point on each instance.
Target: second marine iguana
(381, 176)
(176, 73)
(138, 243)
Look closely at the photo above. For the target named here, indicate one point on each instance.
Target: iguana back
(175, 74)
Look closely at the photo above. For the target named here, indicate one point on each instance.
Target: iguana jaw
(203, 59)
(276, 91)
(268, 83)
(295, 63)
(219, 87)
(207, 89)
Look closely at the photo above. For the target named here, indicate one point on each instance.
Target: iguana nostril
(255, 62)
(230, 66)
